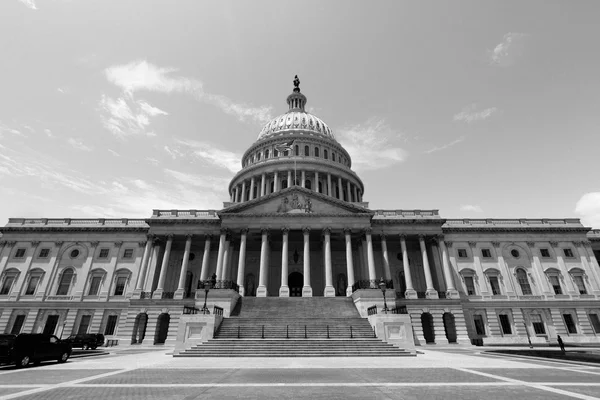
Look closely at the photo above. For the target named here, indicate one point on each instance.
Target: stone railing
(407, 213)
(371, 284)
(59, 297)
(57, 222)
(184, 213)
(522, 222)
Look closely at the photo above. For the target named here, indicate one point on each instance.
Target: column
(152, 264)
(243, 191)
(371, 259)
(242, 261)
(451, 292)
(144, 265)
(340, 189)
(290, 182)
(431, 293)
(180, 293)
(317, 182)
(262, 184)
(349, 263)
(226, 257)
(222, 238)
(205, 258)
(276, 184)
(329, 290)
(303, 183)
(410, 292)
(251, 196)
(284, 290)
(355, 194)
(329, 193)
(506, 276)
(261, 291)
(563, 269)
(235, 195)
(594, 267)
(348, 192)
(163, 268)
(539, 271)
(364, 261)
(306, 289)
(386, 260)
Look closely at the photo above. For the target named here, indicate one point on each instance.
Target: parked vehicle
(34, 348)
(99, 339)
(84, 340)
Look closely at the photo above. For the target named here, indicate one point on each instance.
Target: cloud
(471, 208)
(434, 149)
(12, 131)
(153, 161)
(48, 133)
(209, 154)
(125, 117)
(174, 153)
(470, 114)
(588, 206)
(370, 145)
(29, 4)
(204, 181)
(114, 153)
(78, 144)
(509, 50)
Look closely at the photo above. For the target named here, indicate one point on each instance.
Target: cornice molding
(512, 229)
(7, 229)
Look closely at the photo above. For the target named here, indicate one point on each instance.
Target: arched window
(275, 153)
(266, 154)
(332, 156)
(297, 149)
(257, 156)
(523, 281)
(306, 151)
(308, 184)
(316, 152)
(65, 282)
(578, 276)
(325, 155)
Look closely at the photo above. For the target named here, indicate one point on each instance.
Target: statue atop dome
(296, 84)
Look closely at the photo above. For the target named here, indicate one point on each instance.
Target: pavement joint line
(535, 385)
(548, 360)
(281, 384)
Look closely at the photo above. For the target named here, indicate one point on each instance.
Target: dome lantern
(296, 101)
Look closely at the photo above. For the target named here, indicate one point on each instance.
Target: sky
(481, 109)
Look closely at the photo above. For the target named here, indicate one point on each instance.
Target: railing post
(263, 332)
(305, 332)
(327, 331)
(351, 337)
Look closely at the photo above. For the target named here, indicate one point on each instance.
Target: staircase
(294, 327)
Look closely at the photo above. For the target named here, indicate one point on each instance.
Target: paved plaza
(458, 372)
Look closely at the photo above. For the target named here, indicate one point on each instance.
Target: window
(568, 253)
(128, 253)
(20, 253)
(325, 154)
(308, 184)
(595, 321)
(462, 253)
(275, 153)
(18, 324)
(284, 184)
(84, 324)
(545, 253)
(95, 285)
(515, 253)
(297, 150)
(257, 156)
(266, 154)
(120, 286)
(32, 285)
(470, 284)
(103, 253)
(7, 284)
(538, 324)
(479, 325)
(495, 285)
(486, 253)
(316, 152)
(306, 151)
(332, 156)
(578, 279)
(44, 253)
(555, 282)
(523, 282)
(505, 324)
(74, 253)
(111, 324)
(569, 323)
(65, 282)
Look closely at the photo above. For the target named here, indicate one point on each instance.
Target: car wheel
(23, 361)
(85, 347)
(63, 357)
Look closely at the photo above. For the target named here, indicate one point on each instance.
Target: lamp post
(207, 286)
(382, 286)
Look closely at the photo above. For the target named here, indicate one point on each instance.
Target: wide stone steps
(297, 307)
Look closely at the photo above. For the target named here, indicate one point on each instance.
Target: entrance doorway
(139, 328)
(450, 327)
(162, 328)
(51, 323)
(295, 282)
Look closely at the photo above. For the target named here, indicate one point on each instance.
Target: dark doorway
(189, 277)
(427, 324)
(295, 282)
(139, 328)
(162, 328)
(50, 326)
(450, 327)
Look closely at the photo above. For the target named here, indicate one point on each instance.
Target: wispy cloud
(371, 145)
(471, 114)
(509, 50)
(114, 153)
(125, 117)
(5, 129)
(78, 144)
(434, 149)
(29, 4)
(48, 133)
(588, 206)
(212, 155)
(471, 208)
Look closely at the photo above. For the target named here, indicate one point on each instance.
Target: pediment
(295, 200)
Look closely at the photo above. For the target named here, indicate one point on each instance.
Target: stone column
(163, 269)
(276, 182)
(329, 290)
(370, 259)
(506, 276)
(235, 196)
(340, 189)
(205, 258)
(355, 194)
(226, 257)
(284, 290)
(144, 265)
(431, 293)
(451, 292)
(262, 184)
(349, 262)
(152, 264)
(242, 261)
(386, 260)
(317, 182)
(539, 271)
(364, 259)
(222, 239)
(261, 291)
(306, 289)
(289, 179)
(303, 178)
(348, 192)
(563, 268)
(243, 191)
(179, 294)
(251, 196)
(410, 292)
(329, 192)
(594, 271)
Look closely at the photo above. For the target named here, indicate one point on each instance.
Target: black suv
(32, 347)
(84, 340)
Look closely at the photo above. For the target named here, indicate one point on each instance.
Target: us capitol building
(296, 225)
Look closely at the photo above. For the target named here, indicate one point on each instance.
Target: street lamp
(207, 286)
(382, 286)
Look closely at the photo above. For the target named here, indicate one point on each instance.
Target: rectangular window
(94, 285)
(7, 284)
(505, 324)
(128, 253)
(538, 324)
(595, 322)
(103, 253)
(32, 285)
(495, 285)
(462, 253)
(578, 279)
(479, 325)
(554, 281)
(44, 253)
(20, 253)
(571, 328)
(568, 252)
(111, 324)
(545, 253)
(470, 285)
(486, 253)
(17, 325)
(120, 286)
(84, 324)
